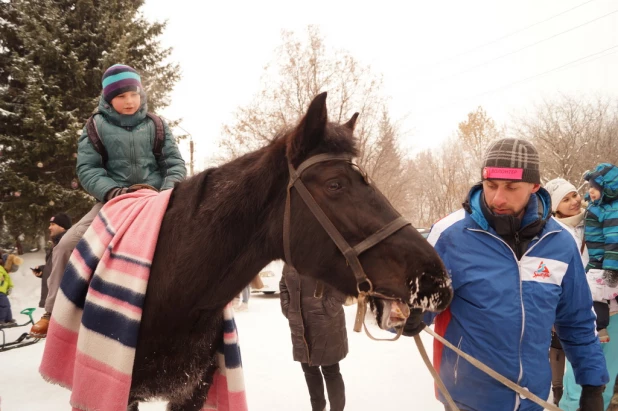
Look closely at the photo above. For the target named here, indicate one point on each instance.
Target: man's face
(55, 229)
(127, 103)
(508, 197)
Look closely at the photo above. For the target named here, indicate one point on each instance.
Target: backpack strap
(157, 148)
(93, 135)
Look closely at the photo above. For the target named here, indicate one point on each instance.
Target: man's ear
(536, 188)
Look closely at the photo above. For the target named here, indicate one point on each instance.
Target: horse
(226, 223)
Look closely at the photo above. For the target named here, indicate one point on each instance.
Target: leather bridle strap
(350, 253)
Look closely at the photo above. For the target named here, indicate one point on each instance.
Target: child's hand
(8, 292)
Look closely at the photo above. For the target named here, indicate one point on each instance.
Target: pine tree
(52, 56)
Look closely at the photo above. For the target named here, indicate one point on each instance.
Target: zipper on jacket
(521, 297)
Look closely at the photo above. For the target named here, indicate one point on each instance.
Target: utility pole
(191, 154)
(191, 150)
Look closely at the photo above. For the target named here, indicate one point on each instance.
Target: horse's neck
(239, 212)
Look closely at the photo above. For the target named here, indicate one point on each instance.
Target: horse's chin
(391, 313)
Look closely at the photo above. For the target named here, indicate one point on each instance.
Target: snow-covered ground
(377, 375)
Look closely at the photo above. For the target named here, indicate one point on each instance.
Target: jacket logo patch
(542, 271)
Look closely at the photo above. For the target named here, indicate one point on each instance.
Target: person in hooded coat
(319, 336)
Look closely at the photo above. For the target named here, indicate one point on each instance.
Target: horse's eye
(334, 185)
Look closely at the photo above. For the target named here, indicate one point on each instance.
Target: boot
(558, 391)
(39, 330)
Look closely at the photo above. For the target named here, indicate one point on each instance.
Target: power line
(526, 47)
(596, 55)
(512, 33)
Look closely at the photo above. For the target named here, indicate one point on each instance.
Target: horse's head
(402, 267)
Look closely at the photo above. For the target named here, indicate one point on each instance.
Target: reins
(500, 378)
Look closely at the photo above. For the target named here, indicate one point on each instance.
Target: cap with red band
(512, 159)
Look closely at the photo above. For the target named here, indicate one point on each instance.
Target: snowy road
(378, 375)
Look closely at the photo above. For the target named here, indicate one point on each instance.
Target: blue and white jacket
(503, 309)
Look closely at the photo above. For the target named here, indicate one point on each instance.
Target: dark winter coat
(319, 335)
(129, 141)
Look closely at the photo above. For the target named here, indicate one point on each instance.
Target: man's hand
(37, 273)
(414, 325)
(591, 398)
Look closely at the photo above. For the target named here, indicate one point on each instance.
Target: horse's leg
(196, 401)
(613, 404)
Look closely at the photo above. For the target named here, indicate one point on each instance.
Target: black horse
(223, 225)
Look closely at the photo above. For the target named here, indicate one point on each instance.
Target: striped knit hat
(119, 79)
(512, 159)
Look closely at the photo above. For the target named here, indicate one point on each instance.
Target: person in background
(319, 336)
(601, 236)
(10, 264)
(58, 225)
(568, 209)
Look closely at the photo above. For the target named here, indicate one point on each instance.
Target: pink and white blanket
(90, 347)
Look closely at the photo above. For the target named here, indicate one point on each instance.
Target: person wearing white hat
(566, 205)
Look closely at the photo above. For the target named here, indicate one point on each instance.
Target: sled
(23, 340)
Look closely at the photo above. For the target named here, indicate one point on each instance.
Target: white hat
(558, 188)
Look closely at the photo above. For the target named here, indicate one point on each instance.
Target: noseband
(363, 284)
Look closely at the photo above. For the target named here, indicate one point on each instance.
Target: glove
(8, 292)
(591, 398)
(136, 187)
(115, 192)
(414, 324)
(611, 278)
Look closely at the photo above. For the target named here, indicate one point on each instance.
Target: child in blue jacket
(601, 233)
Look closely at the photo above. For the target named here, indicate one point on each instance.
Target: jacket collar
(537, 210)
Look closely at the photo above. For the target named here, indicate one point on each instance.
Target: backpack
(157, 147)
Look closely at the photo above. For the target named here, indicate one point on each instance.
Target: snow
(6, 113)
(377, 375)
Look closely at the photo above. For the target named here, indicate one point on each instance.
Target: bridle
(363, 284)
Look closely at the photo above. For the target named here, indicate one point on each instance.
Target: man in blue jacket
(515, 272)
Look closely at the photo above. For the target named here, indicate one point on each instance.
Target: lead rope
(434, 373)
(521, 391)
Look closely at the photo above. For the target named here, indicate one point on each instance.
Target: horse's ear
(310, 130)
(351, 122)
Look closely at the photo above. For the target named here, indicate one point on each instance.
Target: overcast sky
(434, 56)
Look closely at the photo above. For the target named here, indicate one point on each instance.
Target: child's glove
(115, 192)
(591, 398)
(8, 292)
(136, 187)
(611, 278)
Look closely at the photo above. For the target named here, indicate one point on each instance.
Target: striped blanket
(90, 347)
